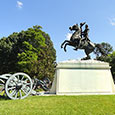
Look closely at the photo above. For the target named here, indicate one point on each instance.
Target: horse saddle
(85, 43)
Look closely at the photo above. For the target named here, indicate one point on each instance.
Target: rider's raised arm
(81, 24)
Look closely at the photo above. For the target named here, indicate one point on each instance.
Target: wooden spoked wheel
(18, 86)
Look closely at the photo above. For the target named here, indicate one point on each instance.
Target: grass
(60, 105)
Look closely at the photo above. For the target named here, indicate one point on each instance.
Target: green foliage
(109, 56)
(29, 51)
(107, 49)
(112, 63)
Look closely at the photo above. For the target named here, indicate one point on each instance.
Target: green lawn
(59, 105)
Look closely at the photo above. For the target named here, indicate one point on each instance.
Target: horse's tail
(100, 48)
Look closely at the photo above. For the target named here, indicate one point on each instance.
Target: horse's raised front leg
(66, 46)
(64, 43)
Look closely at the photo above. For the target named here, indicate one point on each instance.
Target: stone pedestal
(74, 77)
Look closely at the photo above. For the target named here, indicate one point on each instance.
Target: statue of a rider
(83, 35)
(80, 40)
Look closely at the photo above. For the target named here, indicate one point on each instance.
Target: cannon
(19, 85)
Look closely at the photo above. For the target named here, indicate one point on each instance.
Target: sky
(56, 16)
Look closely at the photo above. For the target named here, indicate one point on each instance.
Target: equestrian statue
(80, 40)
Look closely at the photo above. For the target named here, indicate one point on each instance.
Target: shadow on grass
(2, 97)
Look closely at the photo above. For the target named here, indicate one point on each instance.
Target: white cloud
(19, 4)
(112, 21)
(68, 36)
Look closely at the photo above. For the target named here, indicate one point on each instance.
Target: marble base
(75, 77)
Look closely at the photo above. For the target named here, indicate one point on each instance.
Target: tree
(7, 61)
(109, 56)
(29, 51)
(112, 63)
(107, 49)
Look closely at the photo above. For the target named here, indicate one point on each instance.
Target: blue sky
(55, 16)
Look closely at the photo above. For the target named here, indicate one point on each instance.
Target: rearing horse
(80, 43)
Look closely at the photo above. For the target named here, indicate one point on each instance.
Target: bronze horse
(80, 43)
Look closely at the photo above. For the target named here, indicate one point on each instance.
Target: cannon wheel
(2, 85)
(3, 79)
(18, 86)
